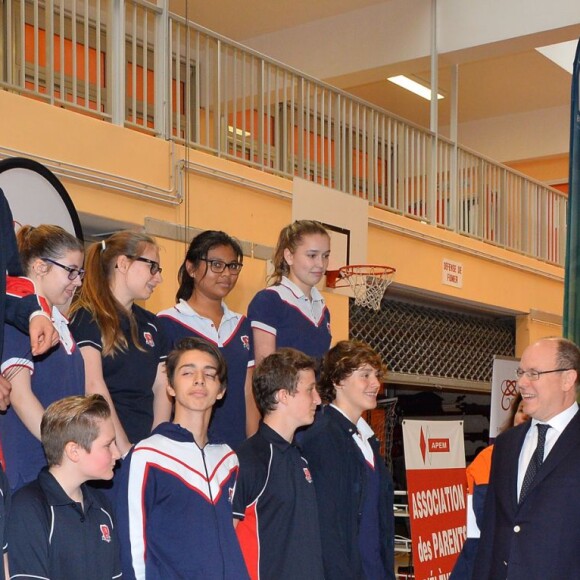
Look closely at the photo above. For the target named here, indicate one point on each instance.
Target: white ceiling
(240, 20)
(496, 79)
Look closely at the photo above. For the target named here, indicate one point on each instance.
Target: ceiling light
(239, 132)
(413, 86)
(562, 54)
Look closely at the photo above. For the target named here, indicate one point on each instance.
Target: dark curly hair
(341, 361)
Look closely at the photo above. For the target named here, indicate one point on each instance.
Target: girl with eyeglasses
(52, 261)
(209, 272)
(122, 346)
(292, 312)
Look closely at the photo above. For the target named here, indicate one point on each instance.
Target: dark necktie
(535, 462)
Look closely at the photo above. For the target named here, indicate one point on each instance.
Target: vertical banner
(436, 486)
(572, 272)
(503, 392)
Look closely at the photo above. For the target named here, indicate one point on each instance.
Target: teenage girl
(208, 274)
(292, 312)
(122, 347)
(52, 260)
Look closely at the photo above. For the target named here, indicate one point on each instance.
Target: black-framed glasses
(154, 266)
(218, 266)
(534, 375)
(73, 273)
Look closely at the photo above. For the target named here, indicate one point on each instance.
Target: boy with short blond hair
(58, 526)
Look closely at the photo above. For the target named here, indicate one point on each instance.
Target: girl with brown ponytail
(292, 312)
(122, 347)
(52, 261)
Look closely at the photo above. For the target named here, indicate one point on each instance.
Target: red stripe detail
(297, 308)
(233, 334)
(205, 494)
(263, 330)
(144, 511)
(20, 287)
(194, 330)
(173, 458)
(248, 536)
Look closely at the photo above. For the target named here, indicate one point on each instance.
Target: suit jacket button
(517, 529)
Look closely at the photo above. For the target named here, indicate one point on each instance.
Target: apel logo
(431, 445)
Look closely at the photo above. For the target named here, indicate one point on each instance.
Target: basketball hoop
(368, 282)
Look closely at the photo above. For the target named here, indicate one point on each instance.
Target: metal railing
(133, 63)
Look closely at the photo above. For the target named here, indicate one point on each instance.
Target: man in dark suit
(531, 526)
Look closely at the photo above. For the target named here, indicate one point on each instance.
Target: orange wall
(552, 170)
(493, 277)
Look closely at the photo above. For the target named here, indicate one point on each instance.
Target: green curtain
(572, 280)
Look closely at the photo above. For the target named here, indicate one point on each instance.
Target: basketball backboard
(344, 216)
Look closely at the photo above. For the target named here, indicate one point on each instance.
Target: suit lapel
(566, 444)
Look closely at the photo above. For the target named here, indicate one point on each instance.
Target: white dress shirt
(557, 425)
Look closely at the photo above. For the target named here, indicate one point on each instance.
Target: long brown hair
(96, 295)
(290, 238)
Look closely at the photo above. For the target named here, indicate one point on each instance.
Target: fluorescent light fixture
(239, 132)
(562, 54)
(413, 86)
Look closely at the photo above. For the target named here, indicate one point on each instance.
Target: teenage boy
(174, 502)
(59, 527)
(275, 498)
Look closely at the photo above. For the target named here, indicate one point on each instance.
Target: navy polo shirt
(51, 536)
(234, 339)
(129, 374)
(276, 501)
(56, 374)
(297, 322)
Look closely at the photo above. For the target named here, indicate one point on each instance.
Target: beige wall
(493, 278)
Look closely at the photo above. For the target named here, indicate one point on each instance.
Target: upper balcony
(132, 63)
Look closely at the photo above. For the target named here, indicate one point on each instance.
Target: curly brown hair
(341, 361)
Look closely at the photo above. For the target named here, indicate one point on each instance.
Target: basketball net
(368, 283)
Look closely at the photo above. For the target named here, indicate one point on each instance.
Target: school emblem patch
(245, 341)
(231, 494)
(149, 339)
(105, 533)
(307, 475)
